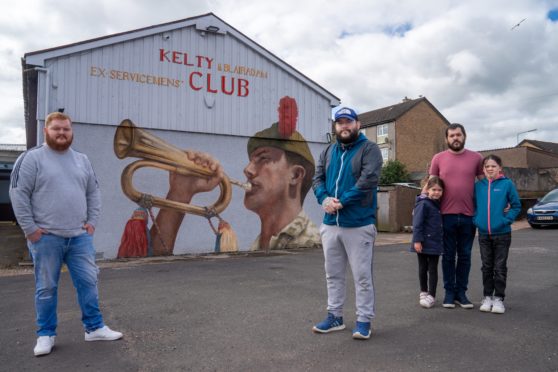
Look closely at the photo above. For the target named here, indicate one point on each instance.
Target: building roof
(208, 22)
(35, 62)
(541, 145)
(498, 149)
(393, 112)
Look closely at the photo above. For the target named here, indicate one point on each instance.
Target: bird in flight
(517, 25)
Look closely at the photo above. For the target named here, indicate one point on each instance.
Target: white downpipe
(47, 100)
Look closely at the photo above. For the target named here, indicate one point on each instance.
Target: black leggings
(428, 273)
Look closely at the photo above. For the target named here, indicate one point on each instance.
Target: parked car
(545, 212)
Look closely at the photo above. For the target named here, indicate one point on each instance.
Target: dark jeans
(459, 234)
(428, 273)
(494, 255)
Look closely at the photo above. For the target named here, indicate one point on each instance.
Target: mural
(278, 177)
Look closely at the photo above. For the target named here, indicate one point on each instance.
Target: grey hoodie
(55, 191)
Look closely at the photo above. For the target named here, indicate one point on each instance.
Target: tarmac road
(255, 313)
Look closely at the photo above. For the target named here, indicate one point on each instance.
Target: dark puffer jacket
(427, 226)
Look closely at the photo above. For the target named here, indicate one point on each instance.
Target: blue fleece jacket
(427, 226)
(491, 198)
(350, 173)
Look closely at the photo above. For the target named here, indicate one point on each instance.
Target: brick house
(523, 156)
(531, 165)
(541, 145)
(411, 132)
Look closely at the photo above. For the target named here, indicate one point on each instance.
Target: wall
(420, 133)
(533, 183)
(195, 235)
(514, 157)
(524, 157)
(395, 205)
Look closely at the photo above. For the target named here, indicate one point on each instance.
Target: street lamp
(527, 131)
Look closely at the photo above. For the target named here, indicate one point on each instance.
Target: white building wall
(108, 84)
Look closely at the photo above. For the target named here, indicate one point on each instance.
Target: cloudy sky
(466, 57)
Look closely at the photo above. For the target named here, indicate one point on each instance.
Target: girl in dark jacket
(428, 240)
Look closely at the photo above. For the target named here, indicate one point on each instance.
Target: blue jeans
(48, 254)
(459, 234)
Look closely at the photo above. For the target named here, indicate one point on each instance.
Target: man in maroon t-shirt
(458, 167)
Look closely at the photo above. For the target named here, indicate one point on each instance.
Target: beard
(350, 138)
(456, 146)
(53, 144)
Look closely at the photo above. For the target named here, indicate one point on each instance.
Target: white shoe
(102, 334)
(44, 345)
(427, 302)
(486, 304)
(498, 306)
(422, 295)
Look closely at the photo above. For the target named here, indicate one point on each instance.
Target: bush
(393, 171)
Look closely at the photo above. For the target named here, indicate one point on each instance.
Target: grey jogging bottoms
(353, 245)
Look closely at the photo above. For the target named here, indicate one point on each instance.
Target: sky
(490, 65)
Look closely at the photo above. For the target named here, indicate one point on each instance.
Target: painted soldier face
(59, 134)
(268, 172)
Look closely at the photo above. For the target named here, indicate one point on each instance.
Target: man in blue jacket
(345, 184)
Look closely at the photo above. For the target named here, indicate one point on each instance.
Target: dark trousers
(494, 251)
(459, 234)
(428, 273)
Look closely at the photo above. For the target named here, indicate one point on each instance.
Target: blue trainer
(462, 300)
(330, 324)
(362, 331)
(449, 299)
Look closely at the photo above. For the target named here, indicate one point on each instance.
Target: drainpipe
(47, 100)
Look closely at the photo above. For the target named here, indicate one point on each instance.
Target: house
(197, 84)
(532, 165)
(411, 132)
(541, 145)
(526, 156)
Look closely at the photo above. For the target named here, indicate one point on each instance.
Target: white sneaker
(498, 306)
(422, 296)
(102, 334)
(486, 304)
(44, 345)
(427, 302)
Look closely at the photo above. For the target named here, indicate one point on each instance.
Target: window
(385, 154)
(383, 130)
(382, 133)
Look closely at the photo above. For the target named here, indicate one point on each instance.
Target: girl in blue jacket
(493, 218)
(428, 241)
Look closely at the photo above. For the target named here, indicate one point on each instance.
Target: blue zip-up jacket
(491, 198)
(350, 173)
(427, 226)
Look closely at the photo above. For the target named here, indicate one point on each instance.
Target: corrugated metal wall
(108, 84)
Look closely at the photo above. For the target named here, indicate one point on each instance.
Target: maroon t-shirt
(458, 171)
